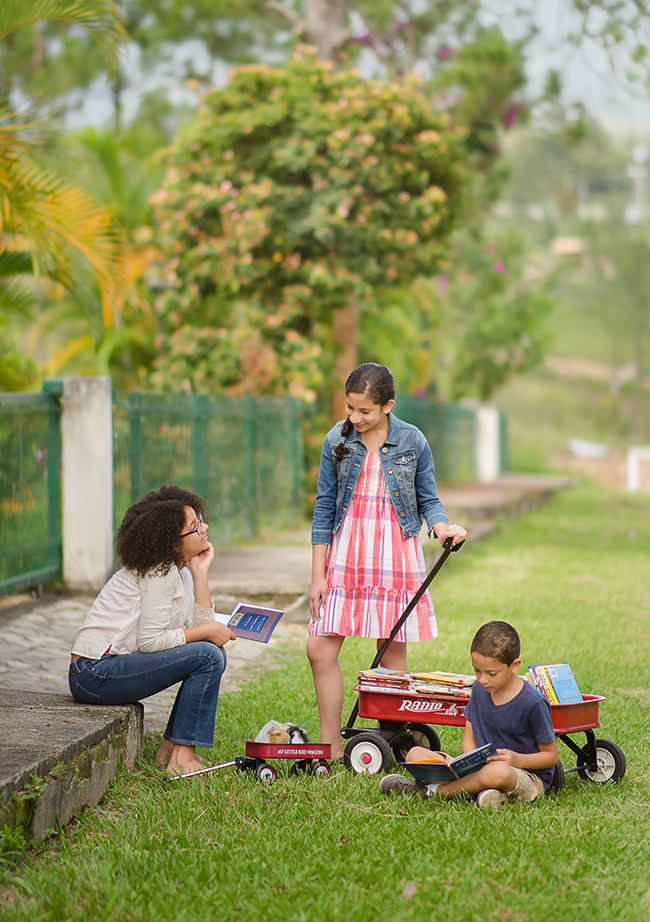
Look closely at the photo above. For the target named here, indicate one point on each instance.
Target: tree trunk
(327, 27)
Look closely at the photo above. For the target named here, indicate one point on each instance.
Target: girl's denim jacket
(407, 464)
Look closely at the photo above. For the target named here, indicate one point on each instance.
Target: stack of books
(381, 679)
(555, 682)
(453, 684)
(449, 684)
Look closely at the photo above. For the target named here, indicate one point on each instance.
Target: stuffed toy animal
(277, 733)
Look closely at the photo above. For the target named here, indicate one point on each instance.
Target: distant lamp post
(636, 212)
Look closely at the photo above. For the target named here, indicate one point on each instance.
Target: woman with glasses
(152, 625)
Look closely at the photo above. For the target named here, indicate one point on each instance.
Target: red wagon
(405, 718)
(306, 757)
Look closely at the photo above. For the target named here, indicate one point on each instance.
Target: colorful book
(447, 769)
(455, 679)
(556, 682)
(251, 622)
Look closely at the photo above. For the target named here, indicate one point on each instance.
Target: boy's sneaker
(401, 784)
(492, 798)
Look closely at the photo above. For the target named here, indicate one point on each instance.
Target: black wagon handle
(448, 548)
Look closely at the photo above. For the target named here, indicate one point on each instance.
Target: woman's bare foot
(183, 760)
(165, 751)
(185, 768)
(163, 754)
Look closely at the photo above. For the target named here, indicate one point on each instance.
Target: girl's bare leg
(395, 656)
(323, 653)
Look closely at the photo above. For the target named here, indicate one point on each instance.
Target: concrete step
(57, 756)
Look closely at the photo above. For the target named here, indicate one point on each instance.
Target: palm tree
(47, 223)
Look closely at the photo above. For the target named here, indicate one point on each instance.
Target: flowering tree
(297, 191)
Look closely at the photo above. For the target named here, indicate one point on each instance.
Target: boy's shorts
(528, 788)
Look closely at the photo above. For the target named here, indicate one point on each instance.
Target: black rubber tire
(558, 779)
(610, 761)
(299, 767)
(425, 735)
(266, 773)
(319, 768)
(414, 735)
(368, 754)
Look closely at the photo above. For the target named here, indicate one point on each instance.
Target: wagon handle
(448, 548)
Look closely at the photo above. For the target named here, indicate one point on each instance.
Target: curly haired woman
(152, 625)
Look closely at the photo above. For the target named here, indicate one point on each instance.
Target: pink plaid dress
(372, 572)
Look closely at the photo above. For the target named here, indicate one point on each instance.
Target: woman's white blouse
(146, 613)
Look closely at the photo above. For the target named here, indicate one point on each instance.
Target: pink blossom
(510, 116)
(445, 52)
(492, 247)
(499, 267)
(443, 283)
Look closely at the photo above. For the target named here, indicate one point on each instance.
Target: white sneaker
(490, 797)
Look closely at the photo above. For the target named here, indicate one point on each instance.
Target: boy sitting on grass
(506, 711)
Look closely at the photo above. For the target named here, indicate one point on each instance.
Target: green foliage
(296, 191)
(466, 331)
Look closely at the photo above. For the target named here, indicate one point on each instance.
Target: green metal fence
(451, 433)
(30, 503)
(242, 454)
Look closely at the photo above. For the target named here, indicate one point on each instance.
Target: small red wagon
(306, 757)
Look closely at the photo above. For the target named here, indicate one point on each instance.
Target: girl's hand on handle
(442, 531)
(317, 595)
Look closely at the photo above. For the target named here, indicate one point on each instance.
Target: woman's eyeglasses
(197, 527)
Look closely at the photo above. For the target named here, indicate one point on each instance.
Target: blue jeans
(128, 678)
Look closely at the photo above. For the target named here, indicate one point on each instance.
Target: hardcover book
(252, 622)
(444, 768)
(556, 682)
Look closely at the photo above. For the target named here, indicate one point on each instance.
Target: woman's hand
(201, 561)
(214, 632)
(442, 531)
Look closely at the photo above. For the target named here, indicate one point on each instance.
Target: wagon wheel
(320, 769)
(266, 773)
(416, 735)
(610, 763)
(367, 754)
(299, 767)
(557, 783)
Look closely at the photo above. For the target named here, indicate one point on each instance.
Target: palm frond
(15, 262)
(102, 18)
(15, 298)
(56, 216)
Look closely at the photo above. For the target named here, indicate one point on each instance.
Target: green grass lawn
(573, 578)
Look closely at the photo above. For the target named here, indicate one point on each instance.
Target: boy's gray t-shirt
(522, 724)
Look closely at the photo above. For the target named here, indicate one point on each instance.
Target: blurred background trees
(503, 289)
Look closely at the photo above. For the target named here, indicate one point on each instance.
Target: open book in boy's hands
(441, 767)
(252, 622)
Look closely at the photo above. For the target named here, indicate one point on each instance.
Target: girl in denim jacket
(375, 485)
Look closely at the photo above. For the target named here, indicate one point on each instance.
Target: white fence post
(488, 445)
(635, 456)
(87, 494)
